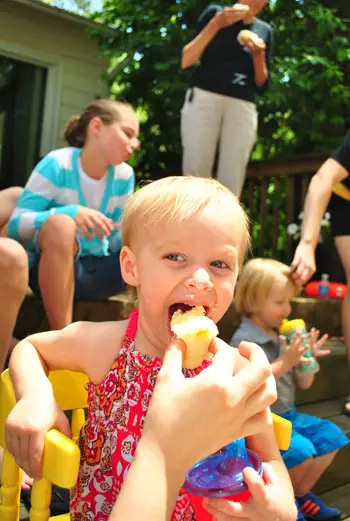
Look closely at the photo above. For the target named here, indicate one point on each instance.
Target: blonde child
(263, 295)
(69, 213)
(176, 253)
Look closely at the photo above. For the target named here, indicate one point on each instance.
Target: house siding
(43, 38)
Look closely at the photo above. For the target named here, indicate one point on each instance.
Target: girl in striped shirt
(68, 215)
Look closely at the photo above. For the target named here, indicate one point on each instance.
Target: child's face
(277, 305)
(180, 265)
(119, 140)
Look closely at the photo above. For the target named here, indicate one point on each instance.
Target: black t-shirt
(226, 67)
(342, 156)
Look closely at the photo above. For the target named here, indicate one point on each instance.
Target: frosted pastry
(245, 36)
(197, 331)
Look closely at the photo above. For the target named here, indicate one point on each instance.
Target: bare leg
(343, 244)
(56, 269)
(13, 287)
(314, 472)
(8, 200)
(298, 472)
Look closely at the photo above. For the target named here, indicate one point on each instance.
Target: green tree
(304, 111)
(82, 7)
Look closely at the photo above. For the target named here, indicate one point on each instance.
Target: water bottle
(289, 329)
(323, 287)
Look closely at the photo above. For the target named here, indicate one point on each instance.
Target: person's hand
(303, 265)
(293, 353)
(254, 43)
(204, 413)
(269, 500)
(229, 16)
(28, 422)
(92, 221)
(316, 344)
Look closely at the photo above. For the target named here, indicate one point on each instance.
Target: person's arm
(78, 347)
(189, 419)
(272, 495)
(210, 22)
(280, 366)
(33, 206)
(316, 202)
(195, 48)
(303, 381)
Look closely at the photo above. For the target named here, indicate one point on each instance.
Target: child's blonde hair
(255, 283)
(177, 199)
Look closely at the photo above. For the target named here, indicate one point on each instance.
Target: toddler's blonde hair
(255, 283)
(177, 199)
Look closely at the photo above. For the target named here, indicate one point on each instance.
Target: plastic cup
(221, 476)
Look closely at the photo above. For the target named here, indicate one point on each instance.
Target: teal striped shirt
(54, 187)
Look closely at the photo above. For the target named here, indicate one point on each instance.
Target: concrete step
(333, 379)
(339, 498)
(338, 473)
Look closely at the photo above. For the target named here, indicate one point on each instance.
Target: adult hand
(256, 45)
(269, 500)
(229, 16)
(92, 221)
(204, 413)
(303, 265)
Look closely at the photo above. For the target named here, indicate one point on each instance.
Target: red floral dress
(116, 412)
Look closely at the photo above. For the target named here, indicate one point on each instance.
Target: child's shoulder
(101, 343)
(247, 331)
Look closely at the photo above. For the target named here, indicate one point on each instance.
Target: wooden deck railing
(273, 196)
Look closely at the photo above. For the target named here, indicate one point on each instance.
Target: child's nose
(200, 280)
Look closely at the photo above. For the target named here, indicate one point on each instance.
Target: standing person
(330, 185)
(263, 295)
(168, 259)
(69, 213)
(220, 103)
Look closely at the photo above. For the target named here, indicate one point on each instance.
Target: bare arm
(260, 68)
(195, 48)
(317, 199)
(304, 381)
(82, 346)
(280, 367)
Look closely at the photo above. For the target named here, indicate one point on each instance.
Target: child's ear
(128, 266)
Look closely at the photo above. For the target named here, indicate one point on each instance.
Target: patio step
(338, 473)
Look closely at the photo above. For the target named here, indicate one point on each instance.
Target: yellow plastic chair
(61, 455)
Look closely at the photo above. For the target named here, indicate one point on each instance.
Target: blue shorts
(311, 437)
(96, 278)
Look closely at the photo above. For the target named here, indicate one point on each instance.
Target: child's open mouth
(182, 306)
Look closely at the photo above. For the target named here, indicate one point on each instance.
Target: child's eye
(175, 257)
(219, 264)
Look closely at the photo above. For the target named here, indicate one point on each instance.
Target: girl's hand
(269, 500)
(92, 221)
(208, 411)
(229, 16)
(294, 353)
(28, 422)
(316, 344)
